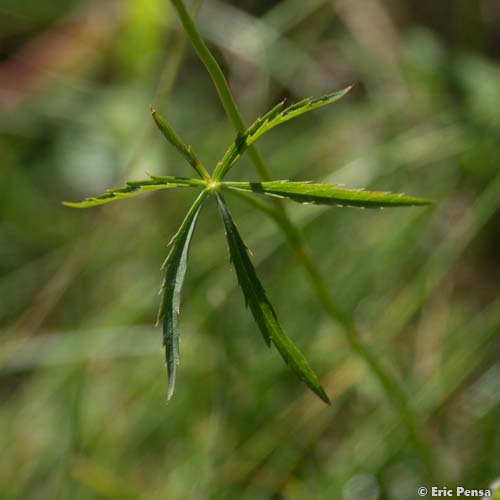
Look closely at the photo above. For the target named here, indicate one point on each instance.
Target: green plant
(214, 185)
(391, 386)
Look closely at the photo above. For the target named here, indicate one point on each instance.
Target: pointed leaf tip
(186, 151)
(175, 265)
(261, 308)
(327, 194)
(133, 188)
(268, 121)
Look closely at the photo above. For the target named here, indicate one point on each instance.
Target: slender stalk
(390, 385)
(211, 64)
(220, 82)
(253, 200)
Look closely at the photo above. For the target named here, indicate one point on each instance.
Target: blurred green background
(82, 376)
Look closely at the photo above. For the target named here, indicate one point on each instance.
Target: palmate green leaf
(327, 194)
(271, 119)
(133, 188)
(175, 271)
(262, 309)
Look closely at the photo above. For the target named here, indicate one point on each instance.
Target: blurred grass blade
(178, 143)
(262, 309)
(327, 194)
(271, 119)
(175, 266)
(133, 188)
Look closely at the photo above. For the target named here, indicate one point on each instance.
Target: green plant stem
(391, 387)
(211, 64)
(220, 82)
